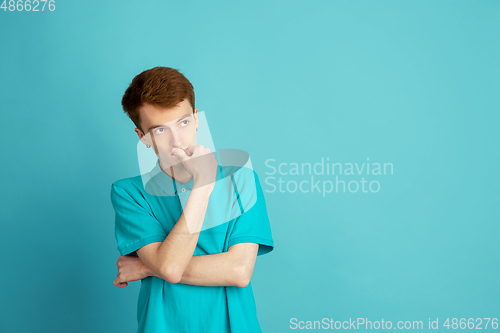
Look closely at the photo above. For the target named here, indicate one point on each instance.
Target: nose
(176, 139)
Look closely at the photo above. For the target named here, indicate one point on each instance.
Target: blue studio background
(410, 83)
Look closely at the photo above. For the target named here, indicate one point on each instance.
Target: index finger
(190, 150)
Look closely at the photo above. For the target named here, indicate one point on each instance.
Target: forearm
(220, 269)
(175, 252)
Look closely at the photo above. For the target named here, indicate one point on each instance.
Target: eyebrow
(179, 119)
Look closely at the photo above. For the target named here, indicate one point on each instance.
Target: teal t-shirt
(236, 213)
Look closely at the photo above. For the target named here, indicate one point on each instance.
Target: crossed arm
(231, 268)
(172, 260)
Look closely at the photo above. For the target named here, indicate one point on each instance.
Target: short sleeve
(252, 226)
(135, 226)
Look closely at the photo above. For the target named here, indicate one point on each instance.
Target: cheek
(163, 148)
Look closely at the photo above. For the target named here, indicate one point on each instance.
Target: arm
(169, 259)
(232, 268)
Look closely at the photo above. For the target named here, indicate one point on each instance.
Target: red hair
(159, 86)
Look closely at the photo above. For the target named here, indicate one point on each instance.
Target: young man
(192, 280)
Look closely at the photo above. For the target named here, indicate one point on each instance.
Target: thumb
(179, 153)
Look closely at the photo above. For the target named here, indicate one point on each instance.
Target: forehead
(152, 115)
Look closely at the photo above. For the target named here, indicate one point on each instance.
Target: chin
(167, 162)
(174, 161)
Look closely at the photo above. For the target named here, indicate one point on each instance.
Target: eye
(159, 130)
(184, 122)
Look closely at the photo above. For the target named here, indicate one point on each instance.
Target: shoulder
(129, 191)
(131, 184)
(239, 173)
(245, 179)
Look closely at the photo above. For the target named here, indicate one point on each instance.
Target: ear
(142, 137)
(195, 115)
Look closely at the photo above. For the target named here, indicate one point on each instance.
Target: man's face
(168, 128)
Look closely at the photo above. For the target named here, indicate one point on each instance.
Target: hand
(199, 162)
(130, 269)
